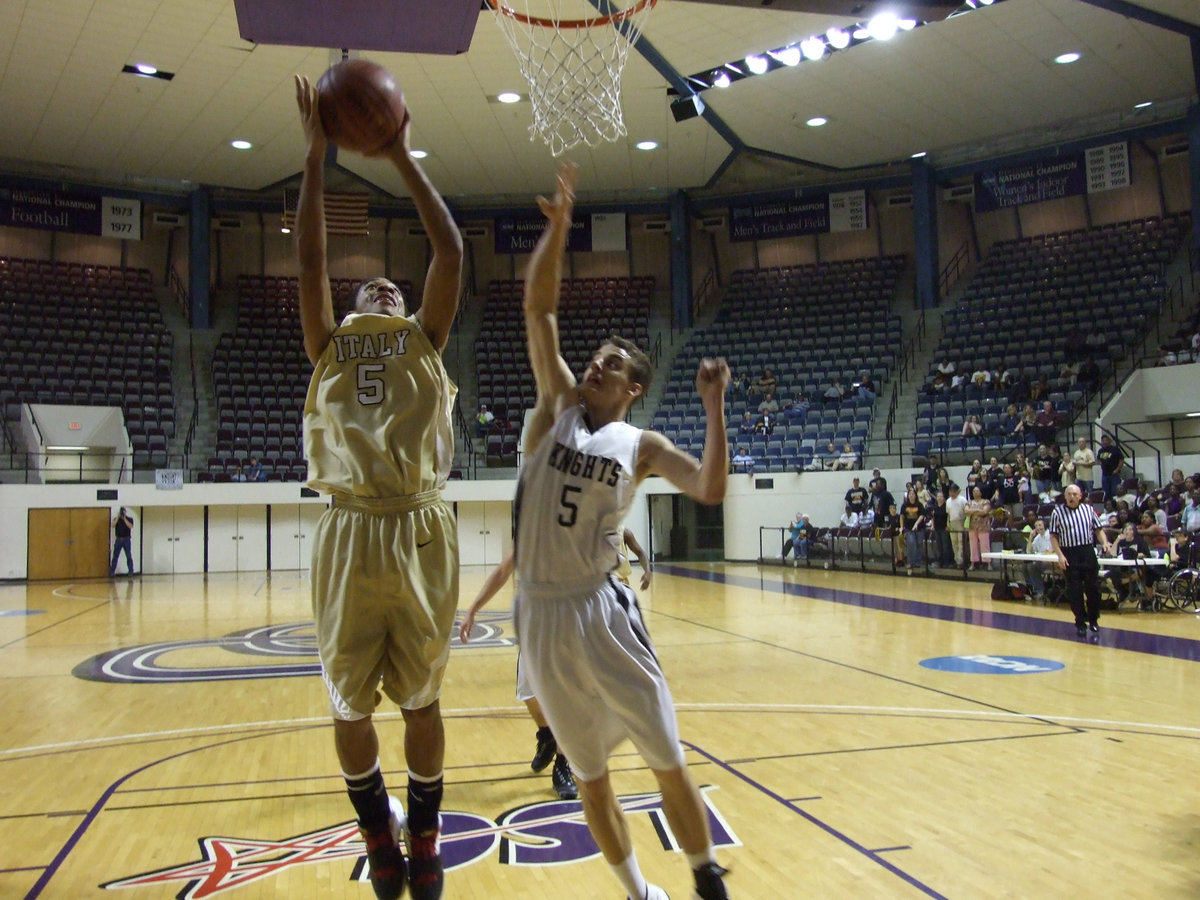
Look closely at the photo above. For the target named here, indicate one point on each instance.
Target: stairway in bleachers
(809, 324)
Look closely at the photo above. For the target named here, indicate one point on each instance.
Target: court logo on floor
(535, 834)
(987, 664)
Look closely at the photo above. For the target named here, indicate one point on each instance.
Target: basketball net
(573, 67)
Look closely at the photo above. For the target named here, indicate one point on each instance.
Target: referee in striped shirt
(1073, 530)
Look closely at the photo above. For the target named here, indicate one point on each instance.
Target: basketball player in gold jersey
(378, 438)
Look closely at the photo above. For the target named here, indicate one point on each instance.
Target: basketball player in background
(546, 749)
(587, 654)
(377, 433)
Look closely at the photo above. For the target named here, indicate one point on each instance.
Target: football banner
(73, 211)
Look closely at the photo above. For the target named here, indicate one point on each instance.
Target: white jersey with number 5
(574, 493)
(377, 416)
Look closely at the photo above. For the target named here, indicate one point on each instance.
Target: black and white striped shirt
(1074, 527)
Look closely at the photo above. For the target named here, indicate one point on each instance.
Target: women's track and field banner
(1088, 172)
(73, 211)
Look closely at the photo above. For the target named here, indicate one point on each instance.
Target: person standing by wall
(122, 541)
(1074, 527)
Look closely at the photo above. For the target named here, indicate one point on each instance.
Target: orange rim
(619, 16)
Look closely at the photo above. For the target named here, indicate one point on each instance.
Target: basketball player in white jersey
(588, 657)
(377, 434)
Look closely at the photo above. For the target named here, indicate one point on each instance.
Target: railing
(705, 292)
(953, 270)
(180, 292)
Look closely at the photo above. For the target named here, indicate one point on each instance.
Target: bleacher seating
(590, 310)
(1031, 306)
(88, 335)
(260, 378)
(809, 324)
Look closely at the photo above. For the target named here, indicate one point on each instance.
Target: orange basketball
(361, 107)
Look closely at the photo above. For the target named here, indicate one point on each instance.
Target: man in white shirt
(956, 517)
(1084, 460)
(850, 518)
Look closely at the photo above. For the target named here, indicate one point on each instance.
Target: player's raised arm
(704, 481)
(316, 303)
(439, 300)
(556, 384)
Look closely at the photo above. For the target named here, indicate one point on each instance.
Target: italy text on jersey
(370, 345)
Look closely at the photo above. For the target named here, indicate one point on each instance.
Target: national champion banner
(1091, 171)
(589, 233)
(72, 211)
(796, 216)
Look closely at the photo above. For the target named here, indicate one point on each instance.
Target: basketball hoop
(573, 67)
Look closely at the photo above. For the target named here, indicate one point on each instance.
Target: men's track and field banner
(589, 234)
(792, 217)
(73, 211)
(1089, 172)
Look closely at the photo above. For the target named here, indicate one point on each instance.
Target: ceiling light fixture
(883, 26)
(418, 154)
(647, 145)
(509, 97)
(1067, 58)
(720, 79)
(838, 38)
(146, 69)
(756, 64)
(1143, 104)
(788, 56)
(813, 48)
(816, 121)
(240, 145)
(919, 154)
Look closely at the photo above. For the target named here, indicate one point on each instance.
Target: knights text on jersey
(377, 416)
(574, 493)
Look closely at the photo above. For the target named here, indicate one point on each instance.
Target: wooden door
(49, 544)
(90, 553)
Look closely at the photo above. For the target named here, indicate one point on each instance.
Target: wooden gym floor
(167, 737)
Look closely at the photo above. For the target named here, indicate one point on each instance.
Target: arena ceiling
(967, 87)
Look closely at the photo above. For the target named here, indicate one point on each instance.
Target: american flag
(344, 213)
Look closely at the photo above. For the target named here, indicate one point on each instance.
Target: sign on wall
(76, 212)
(818, 214)
(589, 233)
(1092, 171)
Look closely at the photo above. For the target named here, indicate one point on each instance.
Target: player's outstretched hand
(712, 378)
(464, 630)
(310, 118)
(558, 210)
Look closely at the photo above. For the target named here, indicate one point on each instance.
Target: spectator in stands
(848, 459)
(746, 426)
(873, 483)
(1137, 499)
(796, 412)
(1190, 516)
(979, 527)
(946, 367)
(938, 384)
(958, 381)
(1010, 422)
(956, 521)
(254, 471)
(742, 461)
(1001, 379)
(1171, 500)
(943, 482)
(796, 542)
(931, 471)
(912, 520)
(1156, 512)
(924, 495)
(1045, 425)
(1069, 371)
(769, 404)
(240, 474)
(765, 423)
(832, 458)
(981, 378)
(1018, 389)
(881, 498)
(484, 421)
(1182, 552)
(1084, 460)
(766, 382)
(850, 518)
(856, 498)
(1178, 479)
(866, 386)
(1039, 389)
(1008, 492)
(1026, 426)
(1089, 374)
(1128, 545)
(122, 542)
(994, 471)
(1111, 461)
(1153, 533)
(1166, 357)
(835, 393)
(739, 385)
(972, 427)
(942, 552)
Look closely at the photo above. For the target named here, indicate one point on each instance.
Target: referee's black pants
(1083, 581)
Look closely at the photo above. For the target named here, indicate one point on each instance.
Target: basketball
(361, 107)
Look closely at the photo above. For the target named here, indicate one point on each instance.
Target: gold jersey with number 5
(377, 415)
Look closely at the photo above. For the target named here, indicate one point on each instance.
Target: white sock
(696, 860)
(630, 875)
